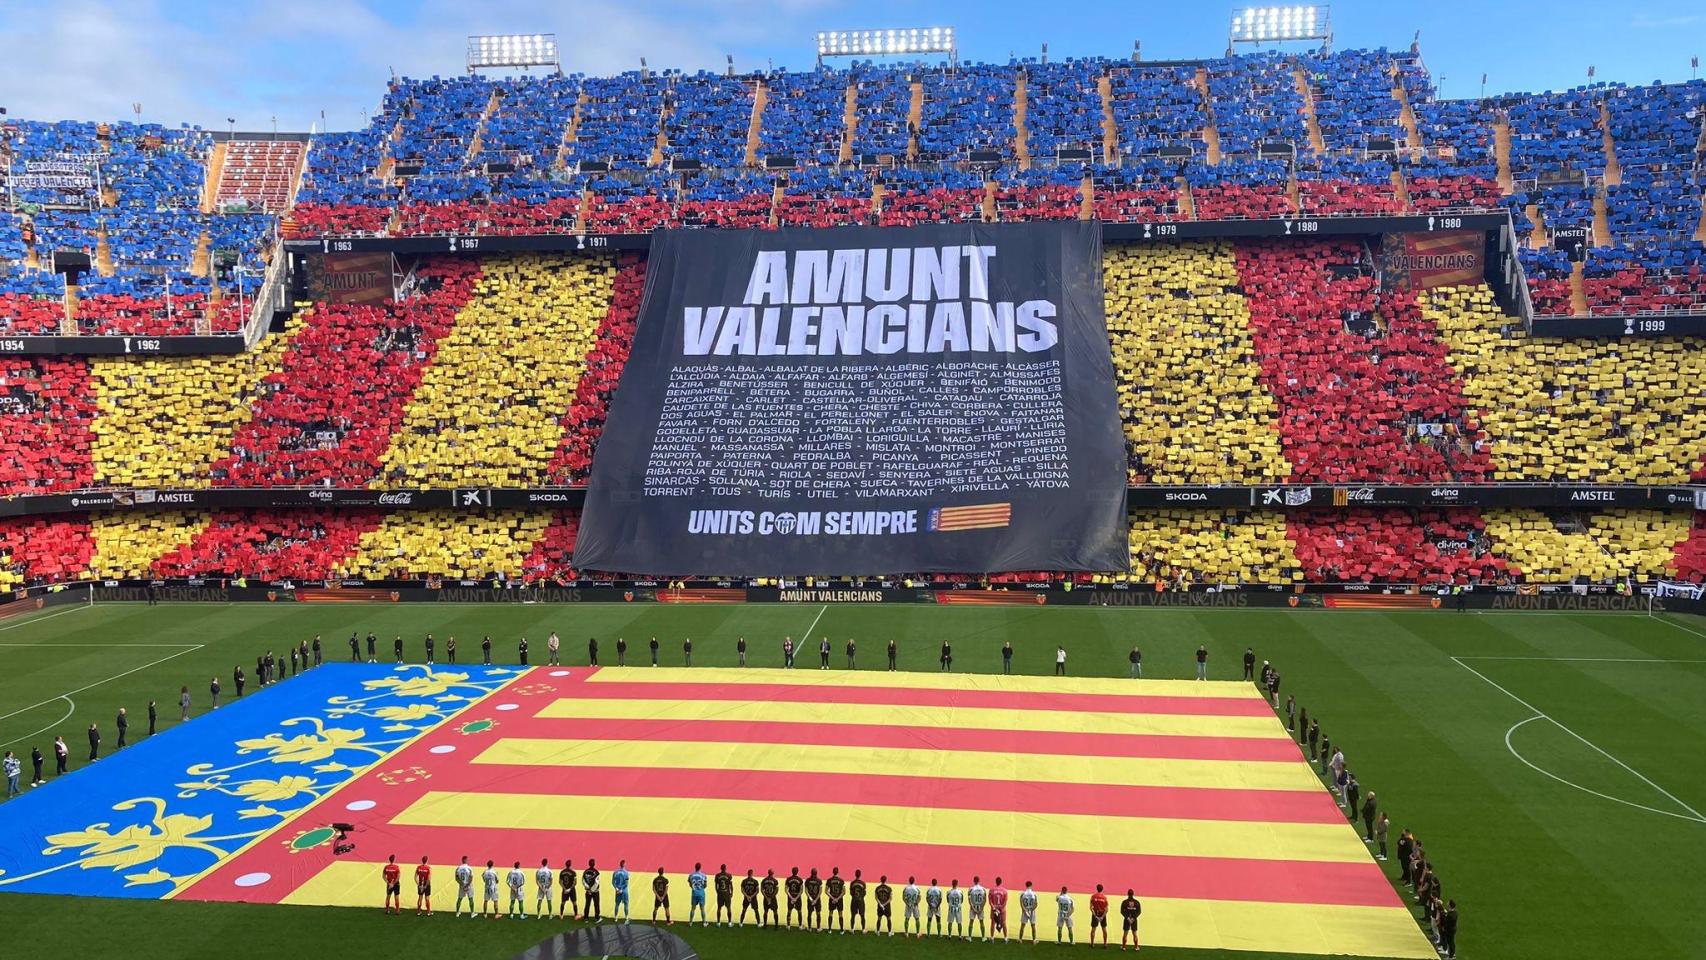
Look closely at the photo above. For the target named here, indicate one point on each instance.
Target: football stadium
(912, 501)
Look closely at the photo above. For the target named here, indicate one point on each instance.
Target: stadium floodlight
(1281, 24)
(886, 43)
(502, 51)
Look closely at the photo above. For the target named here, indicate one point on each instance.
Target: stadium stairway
(849, 119)
(1578, 289)
(1502, 156)
(1613, 169)
(211, 182)
(1021, 136)
(1306, 90)
(570, 131)
(1211, 129)
(914, 119)
(755, 124)
(1406, 113)
(1110, 130)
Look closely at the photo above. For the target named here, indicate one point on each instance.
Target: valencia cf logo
(1291, 600)
(628, 595)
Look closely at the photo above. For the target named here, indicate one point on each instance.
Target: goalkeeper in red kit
(1098, 915)
(423, 888)
(393, 885)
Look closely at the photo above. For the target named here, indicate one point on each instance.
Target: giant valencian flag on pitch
(1191, 793)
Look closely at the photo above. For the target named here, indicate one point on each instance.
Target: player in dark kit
(768, 917)
(589, 880)
(794, 885)
(397, 648)
(660, 897)
(749, 897)
(486, 651)
(1130, 909)
(885, 905)
(354, 649)
(856, 894)
(393, 875)
(837, 890)
(566, 881)
(372, 642)
(725, 886)
(814, 901)
(592, 651)
(891, 654)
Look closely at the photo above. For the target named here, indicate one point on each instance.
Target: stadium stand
(163, 422)
(46, 417)
(1190, 390)
(487, 411)
(432, 543)
(1620, 411)
(329, 410)
(1238, 362)
(1364, 389)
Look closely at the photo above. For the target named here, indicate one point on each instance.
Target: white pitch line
(1562, 659)
(1679, 626)
(56, 613)
(1541, 714)
(188, 648)
(71, 707)
(1570, 783)
(57, 645)
(808, 634)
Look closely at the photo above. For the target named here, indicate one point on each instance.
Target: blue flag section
(145, 821)
(864, 400)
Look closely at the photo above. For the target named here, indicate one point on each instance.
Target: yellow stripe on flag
(925, 680)
(840, 822)
(924, 717)
(1308, 929)
(898, 762)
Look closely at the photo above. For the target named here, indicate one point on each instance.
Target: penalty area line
(56, 613)
(1540, 714)
(188, 648)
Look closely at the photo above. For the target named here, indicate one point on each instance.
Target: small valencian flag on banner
(977, 516)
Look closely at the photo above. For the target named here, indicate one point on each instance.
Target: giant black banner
(864, 400)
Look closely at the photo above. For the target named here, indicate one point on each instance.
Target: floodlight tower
(887, 43)
(1259, 25)
(511, 50)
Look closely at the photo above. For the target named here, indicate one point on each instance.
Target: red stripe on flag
(1089, 799)
(920, 697)
(1044, 742)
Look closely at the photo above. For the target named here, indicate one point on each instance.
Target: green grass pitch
(1575, 834)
